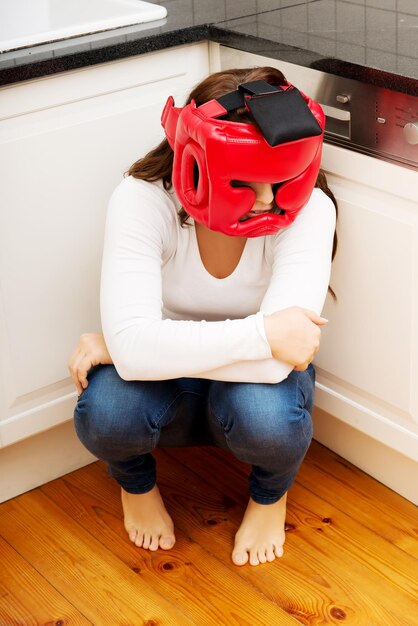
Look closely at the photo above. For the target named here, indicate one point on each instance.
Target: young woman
(216, 317)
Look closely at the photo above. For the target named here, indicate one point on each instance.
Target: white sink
(30, 22)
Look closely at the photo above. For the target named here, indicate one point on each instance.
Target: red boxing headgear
(223, 151)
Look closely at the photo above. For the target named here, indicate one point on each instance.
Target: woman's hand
(91, 350)
(293, 335)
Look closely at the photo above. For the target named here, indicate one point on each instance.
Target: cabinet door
(65, 143)
(368, 363)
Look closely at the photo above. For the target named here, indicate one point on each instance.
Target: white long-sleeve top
(164, 316)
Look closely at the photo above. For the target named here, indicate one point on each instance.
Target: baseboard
(39, 459)
(55, 452)
(393, 469)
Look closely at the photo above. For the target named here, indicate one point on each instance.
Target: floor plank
(319, 535)
(208, 591)
(372, 504)
(27, 599)
(79, 567)
(349, 553)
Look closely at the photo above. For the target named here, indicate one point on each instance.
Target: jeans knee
(92, 419)
(265, 419)
(298, 435)
(283, 433)
(105, 418)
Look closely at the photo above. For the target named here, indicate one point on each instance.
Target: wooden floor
(350, 554)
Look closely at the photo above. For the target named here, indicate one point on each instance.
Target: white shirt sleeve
(300, 277)
(142, 345)
(302, 258)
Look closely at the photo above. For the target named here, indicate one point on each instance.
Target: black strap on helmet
(282, 115)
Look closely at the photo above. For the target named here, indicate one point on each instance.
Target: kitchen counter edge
(193, 34)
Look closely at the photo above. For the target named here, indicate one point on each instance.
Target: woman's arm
(293, 336)
(301, 257)
(143, 346)
(92, 350)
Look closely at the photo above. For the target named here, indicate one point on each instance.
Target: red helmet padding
(226, 151)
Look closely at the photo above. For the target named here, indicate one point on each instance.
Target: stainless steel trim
(362, 117)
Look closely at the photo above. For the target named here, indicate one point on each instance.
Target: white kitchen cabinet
(367, 367)
(65, 142)
(368, 363)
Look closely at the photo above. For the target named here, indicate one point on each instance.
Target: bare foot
(260, 537)
(147, 522)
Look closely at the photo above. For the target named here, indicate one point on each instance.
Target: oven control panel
(410, 132)
(396, 129)
(370, 119)
(361, 117)
(373, 120)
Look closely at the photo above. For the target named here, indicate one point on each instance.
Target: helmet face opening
(275, 209)
(214, 157)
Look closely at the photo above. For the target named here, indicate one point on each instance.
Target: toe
(132, 535)
(240, 557)
(147, 541)
(154, 543)
(262, 555)
(278, 550)
(139, 539)
(166, 543)
(270, 554)
(254, 557)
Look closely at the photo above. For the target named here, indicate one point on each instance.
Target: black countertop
(373, 41)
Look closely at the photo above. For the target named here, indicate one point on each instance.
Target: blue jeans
(267, 426)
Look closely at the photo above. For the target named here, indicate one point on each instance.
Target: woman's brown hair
(158, 163)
